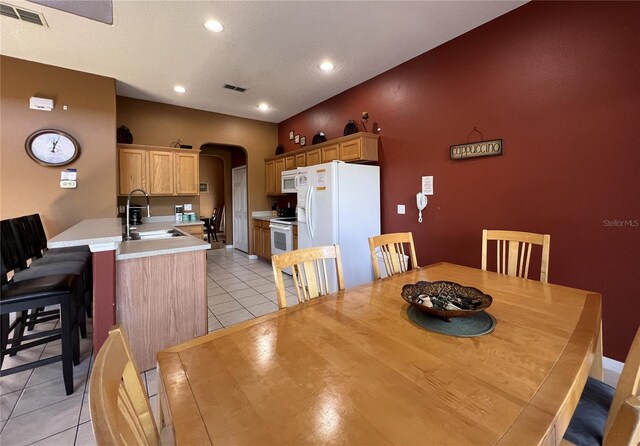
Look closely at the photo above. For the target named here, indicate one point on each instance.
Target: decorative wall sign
(297, 139)
(303, 140)
(476, 149)
(291, 135)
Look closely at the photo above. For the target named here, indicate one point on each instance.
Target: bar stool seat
(19, 297)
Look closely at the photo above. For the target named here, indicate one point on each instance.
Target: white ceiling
(271, 48)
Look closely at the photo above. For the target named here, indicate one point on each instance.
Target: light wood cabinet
(301, 159)
(161, 180)
(270, 177)
(161, 171)
(132, 165)
(187, 173)
(314, 157)
(330, 153)
(261, 237)
(357, 148)
(195, 230)
(290, 162)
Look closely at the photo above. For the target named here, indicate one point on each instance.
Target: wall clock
(51, 147)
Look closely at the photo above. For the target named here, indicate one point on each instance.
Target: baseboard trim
(253, 257)
(229, 246)
(612, 365)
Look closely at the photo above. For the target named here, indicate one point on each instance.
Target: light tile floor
(34, 408)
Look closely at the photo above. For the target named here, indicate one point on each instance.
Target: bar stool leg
(67, 343)
(4, 336)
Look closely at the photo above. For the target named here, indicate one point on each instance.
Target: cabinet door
(301, 159)
(132, 168)
(351, 150)
(256, 232)
(295, 237)
(161, 178)
(279, 169)
(266, 243)
(187, 173)
(290, 162)
(270, 177)
(313, 157)
(330, 153)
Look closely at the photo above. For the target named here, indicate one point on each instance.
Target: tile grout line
(84, 395)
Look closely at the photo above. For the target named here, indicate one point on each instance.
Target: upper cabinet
(132, 166)
(357, 148)
(160, 171)
(187, 173)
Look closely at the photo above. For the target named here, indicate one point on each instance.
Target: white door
(239, 208)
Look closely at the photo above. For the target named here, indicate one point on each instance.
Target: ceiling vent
(235, 88)
(22, 14)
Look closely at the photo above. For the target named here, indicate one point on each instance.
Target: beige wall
(211, 172)
(27, 187)
(160, 124)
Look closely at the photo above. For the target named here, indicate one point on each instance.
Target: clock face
(52, 147)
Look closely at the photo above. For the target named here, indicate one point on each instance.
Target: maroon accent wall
(559, 82)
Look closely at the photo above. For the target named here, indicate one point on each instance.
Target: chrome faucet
(128, 235)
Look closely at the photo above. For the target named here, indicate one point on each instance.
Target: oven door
(281, 240)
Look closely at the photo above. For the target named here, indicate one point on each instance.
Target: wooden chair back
(514, 252)
(623, 420)
(309, 272)
(392, 249)
(120, 411)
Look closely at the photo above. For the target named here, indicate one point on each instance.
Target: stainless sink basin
(155, 235)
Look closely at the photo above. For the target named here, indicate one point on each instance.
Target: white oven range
(282, 236)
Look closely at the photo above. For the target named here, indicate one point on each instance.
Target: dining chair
(514, 252)
(120, 411)
(210, 225)
(309, 272)
(391, 250)
(608, 416)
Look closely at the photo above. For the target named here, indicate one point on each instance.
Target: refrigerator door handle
(310, 212)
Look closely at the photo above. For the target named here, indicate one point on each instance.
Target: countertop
(105, 234)
(266, 216)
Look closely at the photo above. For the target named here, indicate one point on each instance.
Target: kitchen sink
(155, 235)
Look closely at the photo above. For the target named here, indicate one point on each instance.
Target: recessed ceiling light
(326, 66)
(214, 25)
(179, 89)
(263, 106)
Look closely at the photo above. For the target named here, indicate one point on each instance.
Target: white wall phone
(421, 202)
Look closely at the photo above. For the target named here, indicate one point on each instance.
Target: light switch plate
(187, 207)
(401, 209)
(121, 209)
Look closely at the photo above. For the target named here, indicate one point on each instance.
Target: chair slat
(513, 252)
(309, 272)
(391, 248)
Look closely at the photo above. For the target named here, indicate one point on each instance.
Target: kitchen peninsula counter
(156, 289)
(106, 234)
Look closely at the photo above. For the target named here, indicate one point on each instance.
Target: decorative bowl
(446, 299)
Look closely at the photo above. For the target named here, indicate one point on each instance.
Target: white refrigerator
(339, 203)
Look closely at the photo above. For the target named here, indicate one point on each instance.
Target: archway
(231, 156)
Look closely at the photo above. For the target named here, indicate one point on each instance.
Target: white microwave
(288, 181)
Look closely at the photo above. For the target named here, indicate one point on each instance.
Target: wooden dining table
(352, 368)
